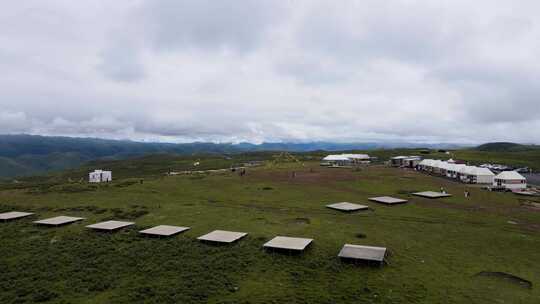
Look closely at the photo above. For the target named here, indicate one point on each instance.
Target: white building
(405, 161)
(426, 165)
(99, 176)
(342, 160)
(454, 170)
(510, 180)
(464, 173)
(477, 175)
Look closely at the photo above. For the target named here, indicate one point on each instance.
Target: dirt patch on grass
(320, 176)
(426, 202)
(134, 212)
(505, 277)
(529, 205)
(299, 221)
(92, 209)
(501, 211)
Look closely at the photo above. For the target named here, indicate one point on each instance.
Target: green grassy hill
(437, 248)
(506, 147)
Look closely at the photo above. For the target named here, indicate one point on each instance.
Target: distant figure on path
(442, 190)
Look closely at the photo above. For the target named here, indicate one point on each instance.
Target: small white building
(510, 180)
(99, 176)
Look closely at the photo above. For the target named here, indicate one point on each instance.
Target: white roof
(336, 157)
(464, 169)
(483, 171)
(357, 156)
(413, 158)
(478, 171)
(510, 175)
(458, 167)
(427, 162)
(445, 165)
(410, 157)
(345, 157)
(437, 163)
(451, 167)
(470, 170)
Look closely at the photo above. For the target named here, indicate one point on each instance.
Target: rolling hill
(506, 147)
(23, 155)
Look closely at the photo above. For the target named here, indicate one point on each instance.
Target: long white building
(477, 175)
(345, 159)
(462, 172)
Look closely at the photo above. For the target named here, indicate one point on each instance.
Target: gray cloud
(121, 63)
(204, 24)
(272, 70)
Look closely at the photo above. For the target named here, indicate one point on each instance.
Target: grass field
(436, 247)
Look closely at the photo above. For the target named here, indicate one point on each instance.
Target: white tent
(357, 156)
(427, 164)
(454, 170)
(345, 159)
(444, 167)
(462, 172)
(335, 158)
(510, 180)
(438, 166)
(477, 175)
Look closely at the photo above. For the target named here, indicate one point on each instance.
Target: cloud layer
(255, 70)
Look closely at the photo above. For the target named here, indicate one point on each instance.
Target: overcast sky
(230, 71)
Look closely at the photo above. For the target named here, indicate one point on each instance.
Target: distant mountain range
(23, 155)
